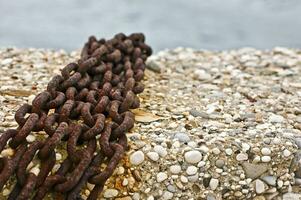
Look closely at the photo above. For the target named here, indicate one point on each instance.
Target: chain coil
(87, 109)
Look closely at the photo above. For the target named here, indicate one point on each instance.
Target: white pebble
(213, 183)
(120, 170)
(245, 147)
(241, 157)
(286, 153)
(125, 182)
(175, 169)
(204, 149)
(259, 186)
(216, 151)
(167, 195)
(201, 164)
(30, 138)
(137, 158)
(229, 152)
(191, 170)
(154, 156)
(265, 158)
(201, 75)
(161, 176)
(256, 159)
(184, 179)
(182, 137)
(110, 193)
(58, 156)
(279, 183)
(276, 140)
(193, 157)
(35, 171)
(150, 198)
(265, 151)
(56, 167)
(7, 152)
(276, 118)
(6, 61)
(5, 192)
(160, 150)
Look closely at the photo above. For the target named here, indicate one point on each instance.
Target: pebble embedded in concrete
(154, 156)
(161, 176)
(193, 157)
(110, 193)
(137, 158)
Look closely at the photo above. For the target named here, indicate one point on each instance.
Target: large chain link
(87, 109)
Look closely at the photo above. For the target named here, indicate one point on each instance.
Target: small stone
(137, 158)
(6, 61)
(254, 170)
(167, 195)
(7, 152)
(150, 198)
(193, 178)
(201, 164)
(276, 118)
(175, 169)
(182, 137)
(270, 180)
(191, 170)
(280, 183)
(219, 163)
(259, 186)
(242, 157)
(210, 197)
(136, 196)
(147, 190)
(171, 188)
(110, 193)
(184, 179)
(160, 150)
(58, 156)
(245, 147)
(154, 66)
(286, 153)
(30, 138)
(197, 113)
(265, 159)
(265, 151)
(154, 156)
(5, 192)
(35, 170)
(229, 152)
(125, 182)
(193, 156)
(204, 149)
(216, 151)
(161, 176)
(120, 170)
(201, 75)
(213, 183)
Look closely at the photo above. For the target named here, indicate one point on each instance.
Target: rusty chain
(87, 109)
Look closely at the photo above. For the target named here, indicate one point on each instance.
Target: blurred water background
(211, 24)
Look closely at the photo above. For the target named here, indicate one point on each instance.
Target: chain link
(87, 108)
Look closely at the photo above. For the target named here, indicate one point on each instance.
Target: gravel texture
(212, 125)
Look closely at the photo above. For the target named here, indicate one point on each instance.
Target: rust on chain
(86, 109)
